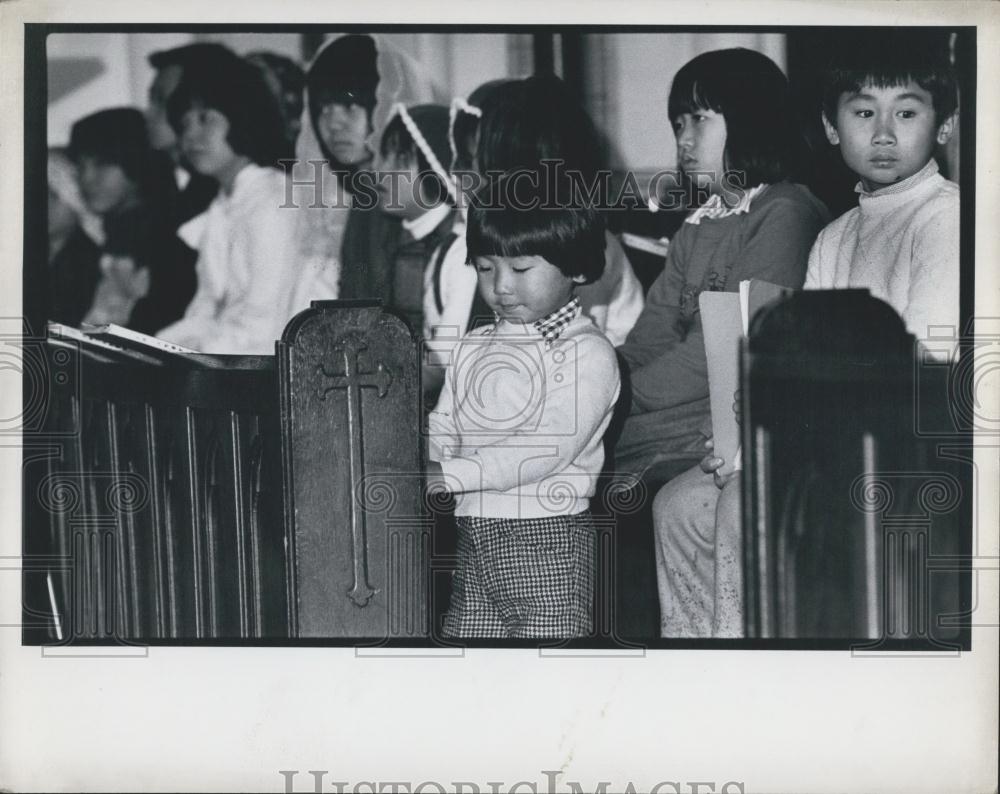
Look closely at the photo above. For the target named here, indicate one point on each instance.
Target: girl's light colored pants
(699, 550)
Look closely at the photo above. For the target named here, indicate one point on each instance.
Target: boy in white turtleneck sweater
(902, 240)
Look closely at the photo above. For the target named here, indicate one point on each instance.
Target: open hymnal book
(725, 318)
(117, 334)
(116, 340)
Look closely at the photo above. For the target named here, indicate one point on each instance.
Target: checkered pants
(523, 577)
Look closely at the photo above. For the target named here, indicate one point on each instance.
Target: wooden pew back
(177, 497)
(851, 508)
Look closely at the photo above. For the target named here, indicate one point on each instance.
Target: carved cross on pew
(354, 381)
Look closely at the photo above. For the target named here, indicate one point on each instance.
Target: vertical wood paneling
(89, 524)
(133, 504)
(61, 468)
(240, 527)
(287, 452)
(254, 572)
(97, 587)
(81, 598)
(121, 496)
(207, 537)
(157, 526)
(75, 611)
(187, 561)
(762, 570)
(173, 511)
(272, 542)
(108, 545)
(395, 583)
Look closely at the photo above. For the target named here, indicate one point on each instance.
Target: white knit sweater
(518, 428)
(902, 243)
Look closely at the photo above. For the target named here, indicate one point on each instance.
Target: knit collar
(714, 208)
(552, 325)
(423, 225)
(896, 188)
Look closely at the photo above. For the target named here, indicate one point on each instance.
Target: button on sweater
(519, 425)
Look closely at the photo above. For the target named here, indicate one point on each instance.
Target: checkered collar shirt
(552, 325)
(714, 208)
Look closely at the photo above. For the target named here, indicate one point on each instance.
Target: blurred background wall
(91, 71)
(623, 78)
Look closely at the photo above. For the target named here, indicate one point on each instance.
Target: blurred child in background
(230, 129)
(287, 82)
(346, 244)
(128, 184)
(75, 235)
(536, 120)
(413, 185)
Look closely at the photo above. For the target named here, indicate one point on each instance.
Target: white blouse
(247, 269)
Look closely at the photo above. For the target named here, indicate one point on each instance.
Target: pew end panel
(853, 524)
(357, 527)
(183, 498)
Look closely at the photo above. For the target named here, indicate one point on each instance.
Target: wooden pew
(180, 497)
(855, 519)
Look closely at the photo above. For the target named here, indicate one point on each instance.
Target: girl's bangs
(692, 97)
(188, 100)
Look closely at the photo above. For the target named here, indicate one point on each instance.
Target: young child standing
(517, 432)
(887, 114)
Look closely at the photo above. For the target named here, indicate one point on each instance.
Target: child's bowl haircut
(567, 234)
